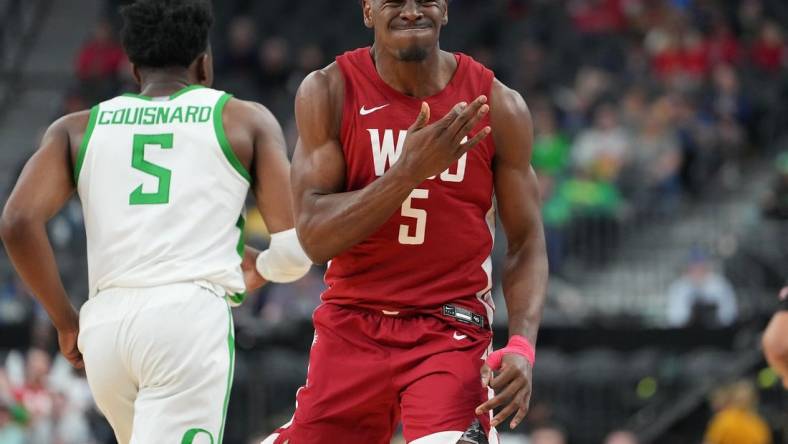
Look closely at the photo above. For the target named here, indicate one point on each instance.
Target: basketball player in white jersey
(162, 176)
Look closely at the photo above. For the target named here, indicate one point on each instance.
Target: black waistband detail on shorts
(463, 315)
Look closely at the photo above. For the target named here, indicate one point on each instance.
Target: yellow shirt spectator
(737, 426)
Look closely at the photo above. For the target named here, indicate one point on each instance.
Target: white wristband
(284, 260)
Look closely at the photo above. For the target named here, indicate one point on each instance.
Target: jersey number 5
(162, 194)
(405, 238)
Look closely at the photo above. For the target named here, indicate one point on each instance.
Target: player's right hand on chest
(431, 149)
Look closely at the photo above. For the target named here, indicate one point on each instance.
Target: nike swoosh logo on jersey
(363, 111)
(459, 337)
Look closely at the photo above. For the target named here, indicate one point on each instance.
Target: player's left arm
(525, 267)
(43, 188)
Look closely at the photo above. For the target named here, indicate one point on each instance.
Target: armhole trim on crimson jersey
(345, 65)
(489, 79)
(221, 136)
(83, 147)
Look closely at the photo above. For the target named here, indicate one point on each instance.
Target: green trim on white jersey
(230, 371)
(83, 147)
(222, 137)
(172, 96)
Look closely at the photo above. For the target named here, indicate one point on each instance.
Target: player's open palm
(512, 388)
(431, 149)
(67, 341)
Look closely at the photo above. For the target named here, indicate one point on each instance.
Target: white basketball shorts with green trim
(159, 362)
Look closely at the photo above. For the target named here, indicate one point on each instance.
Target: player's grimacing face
(407, 28)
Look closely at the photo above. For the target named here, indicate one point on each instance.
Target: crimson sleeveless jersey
(436, 248)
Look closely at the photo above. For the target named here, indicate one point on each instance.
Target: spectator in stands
(698, 145)
(236, 64)
(680, 57)
(722, 46)
(551, 146)
(664, 47)
(534, 71)
(34, 394)
(701, 296)
(273, 64)
(15, 305)
(100, 57)
(10, 431)
(99, 62)
(240, 57)
(602, 151)
(730, 111)
(750, 16)
(68, 424)
(597, 16)
(768, 51)
(775, 204)
(310, 58)
(548, 435)
(726, 98)
(634, 109)
(695, 57)
(621, 437)
(657, 159)
(580, 102)
(737, 420)
(556, 215)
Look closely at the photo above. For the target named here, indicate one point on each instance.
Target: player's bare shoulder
(326, 82)
(320, 99)
(506, 103)
(510, 119)
(71, 128)
(246, 114)
(248, 126)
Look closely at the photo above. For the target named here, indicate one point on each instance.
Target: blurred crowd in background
(642, 110)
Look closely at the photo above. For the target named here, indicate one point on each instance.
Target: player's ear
(366, 8)
(204, 66)
(445, 19)
(135, 72)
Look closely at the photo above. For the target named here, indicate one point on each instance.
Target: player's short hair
(361, 2)
(165, 33)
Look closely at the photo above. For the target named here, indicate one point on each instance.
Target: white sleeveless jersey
(162, 193)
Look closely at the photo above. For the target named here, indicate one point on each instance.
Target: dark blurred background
(662, 157)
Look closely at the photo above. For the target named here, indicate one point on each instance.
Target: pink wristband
(517, 345)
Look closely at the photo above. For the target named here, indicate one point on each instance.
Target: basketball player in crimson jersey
(403, 212)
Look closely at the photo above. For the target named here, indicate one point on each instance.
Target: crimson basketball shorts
(369, 371)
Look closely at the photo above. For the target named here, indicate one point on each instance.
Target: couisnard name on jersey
(386, 151)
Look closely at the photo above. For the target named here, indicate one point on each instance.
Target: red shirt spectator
(768, 51)
(722, 46)
(668, 60)
(101, 56)
(597, 16)
(687, 57)
(694, 59)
